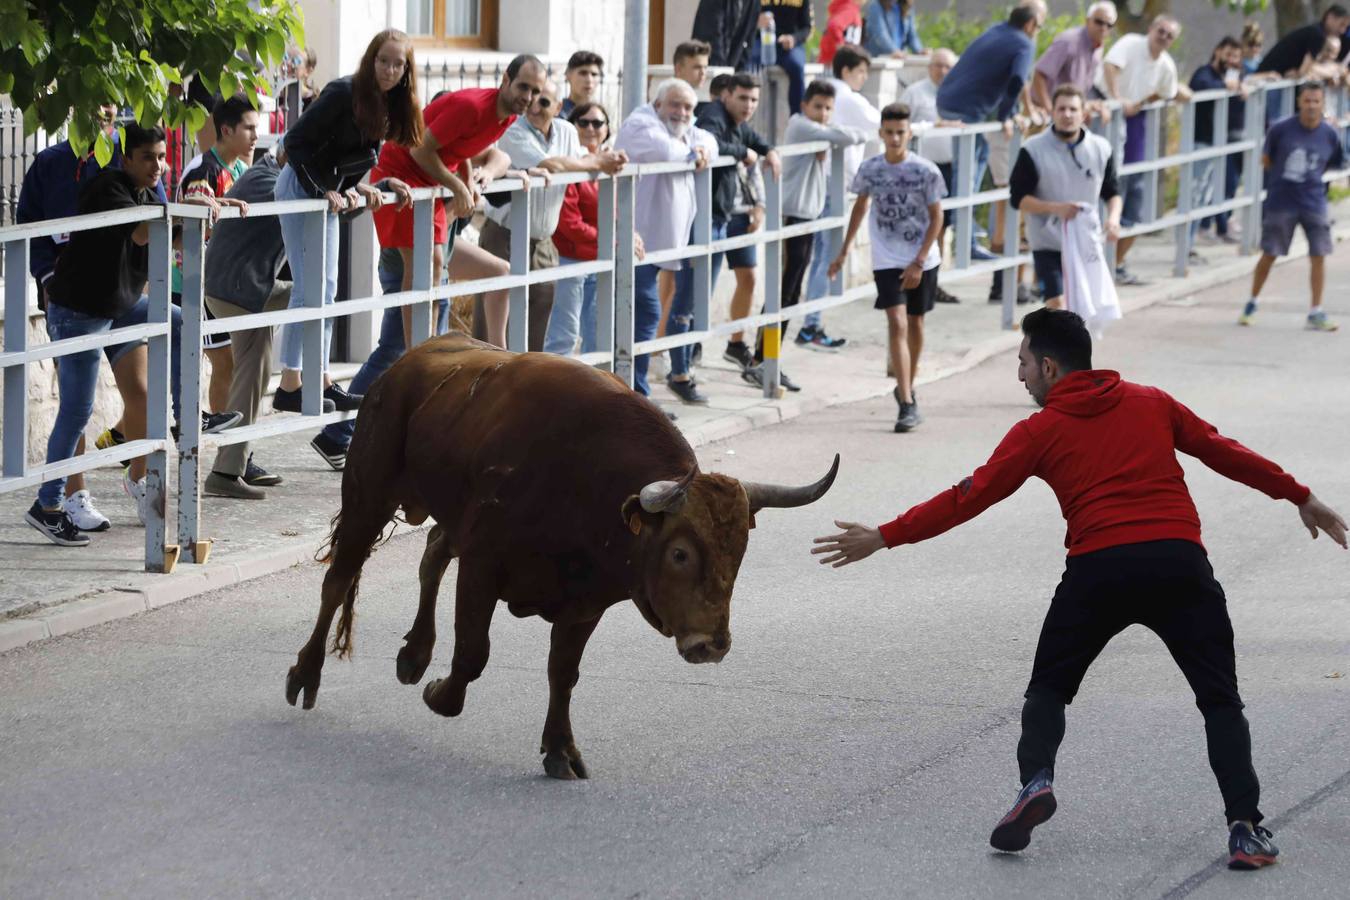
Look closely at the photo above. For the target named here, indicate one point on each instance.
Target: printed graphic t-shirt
(207, 177)
(898, 220)
(1299, 156)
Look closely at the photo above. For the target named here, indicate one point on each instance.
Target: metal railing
(614, 268)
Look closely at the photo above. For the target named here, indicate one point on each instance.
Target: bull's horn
(781, 496)
(665, 496)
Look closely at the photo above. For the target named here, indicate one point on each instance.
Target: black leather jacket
(325, 147)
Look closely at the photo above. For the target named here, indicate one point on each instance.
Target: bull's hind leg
(475, 600)
(353, 537)
(562, 759)
(420, 640)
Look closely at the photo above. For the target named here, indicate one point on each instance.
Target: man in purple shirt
(1073, 58)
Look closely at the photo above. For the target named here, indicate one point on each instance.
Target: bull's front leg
(475, 600)
(420, 641)
(562, 759)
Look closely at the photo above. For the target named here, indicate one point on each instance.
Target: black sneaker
(804, 335)
(739, 353)
(787, 382)
(822, 341)
(1035, 804)
(753, 375)
(55, 526)
(257, 476)
(1250, 849)
(289, 401)
(1125, 277)
(214, 423)
(944, 297)
(687, 391)
(342, 401)
(333, 453)
(908, 418)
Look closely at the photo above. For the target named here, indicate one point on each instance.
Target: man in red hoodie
(1107, 448)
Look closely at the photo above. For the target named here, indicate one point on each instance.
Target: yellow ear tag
(635, 523)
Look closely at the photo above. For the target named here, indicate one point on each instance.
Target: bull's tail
(343, 641)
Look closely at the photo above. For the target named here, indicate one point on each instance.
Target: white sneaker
(79, 506)
(136, 491)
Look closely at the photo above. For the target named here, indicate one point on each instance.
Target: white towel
(1089, 288)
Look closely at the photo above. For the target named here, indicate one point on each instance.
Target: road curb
(122, 602)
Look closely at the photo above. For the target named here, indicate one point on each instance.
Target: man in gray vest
(1055, 171)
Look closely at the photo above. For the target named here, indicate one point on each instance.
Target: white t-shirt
(898, 220)
(852, 110)
(921, 98)
(1141, 74)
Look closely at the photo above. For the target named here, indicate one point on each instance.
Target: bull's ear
(632, 513)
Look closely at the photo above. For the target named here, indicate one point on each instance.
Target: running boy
(1298, 151)
(906, 194)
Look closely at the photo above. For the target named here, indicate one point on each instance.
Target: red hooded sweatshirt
(844, 27)
(1107, 448)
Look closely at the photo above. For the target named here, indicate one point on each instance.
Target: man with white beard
(661, 131)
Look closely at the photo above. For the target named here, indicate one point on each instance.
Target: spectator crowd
(367, 135)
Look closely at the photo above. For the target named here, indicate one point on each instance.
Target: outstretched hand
(1316, 516)
(856, 542)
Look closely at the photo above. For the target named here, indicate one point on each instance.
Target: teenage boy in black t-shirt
(98, 286)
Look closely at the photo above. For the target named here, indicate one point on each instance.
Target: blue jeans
(1231, 176)
(681, 318)
(818, 281)
(1204, 185)
(646, 316)
(793, 63)
(293, 236)
(390, 346)
(77, 379)
(573, 313)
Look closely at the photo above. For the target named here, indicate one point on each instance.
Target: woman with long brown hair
(329, 150)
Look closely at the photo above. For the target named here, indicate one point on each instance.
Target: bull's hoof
(558, 764)
(412, 663)
(443, 698)
(296, 681)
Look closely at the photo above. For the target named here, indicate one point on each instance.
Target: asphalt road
(857, 741)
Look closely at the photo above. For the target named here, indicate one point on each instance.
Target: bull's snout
(703, 648)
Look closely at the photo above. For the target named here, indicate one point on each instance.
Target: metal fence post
(1010, 245)
(1251, 169)
(158, 396)
(605, 281)
(16, 341)
(838, 203)
(771, 334)
(701, 265)
(624, 282)
(424, 212)
(190, 394)
(1152, 137)
(1115, 133)
(965, 168)
(316, 268)
(1185, 193)
(518, 325)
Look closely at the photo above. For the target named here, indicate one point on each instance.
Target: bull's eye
(680, 556)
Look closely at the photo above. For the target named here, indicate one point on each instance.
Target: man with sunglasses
(1139, 71)
(1073, 58)
(539, 140)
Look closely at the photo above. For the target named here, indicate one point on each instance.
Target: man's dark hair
(718, 85)
(585, 58)
(1224, 43)
(849, 56)
(1060, 335)
(690, 49)
(895, 112)
(1335, 9)
(1021, 15)
(743, 81)
(230, 112)
(1068, 89)
(525, 59)
(1307, 86)
(818, 89)
(136, 136)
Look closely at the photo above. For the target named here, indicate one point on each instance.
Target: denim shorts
(741, 257)
(1132, 187)
(1277, 230)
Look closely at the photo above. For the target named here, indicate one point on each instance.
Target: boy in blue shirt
(1298, 151)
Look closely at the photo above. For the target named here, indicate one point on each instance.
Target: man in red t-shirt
(1108, 450)
(461, 128)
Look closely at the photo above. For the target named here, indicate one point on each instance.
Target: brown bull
(561, 492)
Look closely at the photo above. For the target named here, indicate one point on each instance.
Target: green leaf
(6, 81)
(228, 86)
(103, 149)
(276, 47)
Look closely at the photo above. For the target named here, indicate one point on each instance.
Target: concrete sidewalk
(46, 590)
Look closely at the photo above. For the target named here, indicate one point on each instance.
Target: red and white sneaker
(1035, 804)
